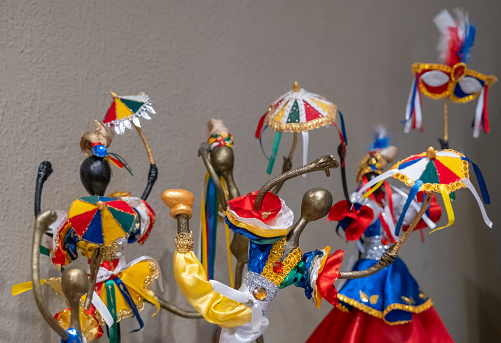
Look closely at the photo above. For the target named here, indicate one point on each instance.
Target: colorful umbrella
(297, 111)
(123, 109)
(101, 220)
(452, 79)
(443, 171)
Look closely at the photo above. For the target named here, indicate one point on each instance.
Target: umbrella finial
(114, 95)
(430, 153)
(100, 205)
(295, 87)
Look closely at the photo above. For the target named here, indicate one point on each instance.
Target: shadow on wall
(483, 312)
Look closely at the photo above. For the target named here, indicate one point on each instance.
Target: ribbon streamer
(305, 148)
(448, 208)
(242, 298)
(412, 193)
(478, 115)
(479, 201)
(274, 151)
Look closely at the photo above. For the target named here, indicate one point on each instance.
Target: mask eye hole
(470, 85)
(435, 78)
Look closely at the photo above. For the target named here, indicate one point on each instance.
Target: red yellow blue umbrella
(443, 171)
(102, 220)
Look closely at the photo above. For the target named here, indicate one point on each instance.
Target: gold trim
(381, 315)
(254, 229)
(417, 68)
(305, 126)
(430, 187)
(364, 167)
(290, 261)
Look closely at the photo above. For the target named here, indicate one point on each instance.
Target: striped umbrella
(102, 220)
(443, 171)
(125, 109)
(297, 111)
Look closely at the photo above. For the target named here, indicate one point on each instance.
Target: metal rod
(146, 145)
(95, 262)
(446, 123)
(41, 225)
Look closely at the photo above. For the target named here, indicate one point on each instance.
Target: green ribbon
(274, 151)
(112, 307)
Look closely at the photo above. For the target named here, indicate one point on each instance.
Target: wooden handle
(179, 201)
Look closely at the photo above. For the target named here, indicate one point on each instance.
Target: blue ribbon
(211, 203)
(261, 142)
(414, 190)
(413, 99)
(126, 295)
(480, 180)
(343, 130)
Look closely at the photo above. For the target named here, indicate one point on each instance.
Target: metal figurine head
(221, 147)
(95, 171)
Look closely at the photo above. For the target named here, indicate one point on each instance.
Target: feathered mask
(452, 79)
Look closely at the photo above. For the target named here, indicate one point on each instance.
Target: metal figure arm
(153, 173)
(44, 171)
(41, 225)
(323, 163)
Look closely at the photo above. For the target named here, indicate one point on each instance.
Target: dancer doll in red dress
(388, 306)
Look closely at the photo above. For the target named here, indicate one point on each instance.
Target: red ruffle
(146, 234)
(360, 220)
(360, 327)
(244, 206)
(329, 275)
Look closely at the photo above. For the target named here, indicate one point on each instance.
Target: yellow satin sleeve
(216, 308)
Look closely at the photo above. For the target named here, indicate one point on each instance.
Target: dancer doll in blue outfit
(390, 302)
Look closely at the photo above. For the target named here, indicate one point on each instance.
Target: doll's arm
(190, 274)
(44, 171)
(152, 178)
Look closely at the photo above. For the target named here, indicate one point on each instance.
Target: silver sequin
(254, 280)
(374, 249)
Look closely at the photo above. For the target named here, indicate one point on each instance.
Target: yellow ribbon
(227, 230)
(373, 189)
(448, 208)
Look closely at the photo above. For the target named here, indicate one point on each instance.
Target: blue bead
(99, 151)
(73, 336)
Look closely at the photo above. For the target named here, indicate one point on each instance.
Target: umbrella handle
(392, 253)
(146, 145)
(95, 262)
(153, 173)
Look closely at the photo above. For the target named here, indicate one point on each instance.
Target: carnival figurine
(99, 227)
(275, 257)
(389, 306)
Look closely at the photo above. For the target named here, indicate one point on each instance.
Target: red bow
(360, 219)
(329, 275)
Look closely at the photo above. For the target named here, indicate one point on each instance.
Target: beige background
(203, 59)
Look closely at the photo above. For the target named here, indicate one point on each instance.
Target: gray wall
(204, 59)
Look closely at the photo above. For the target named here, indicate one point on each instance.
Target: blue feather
(469, 39)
